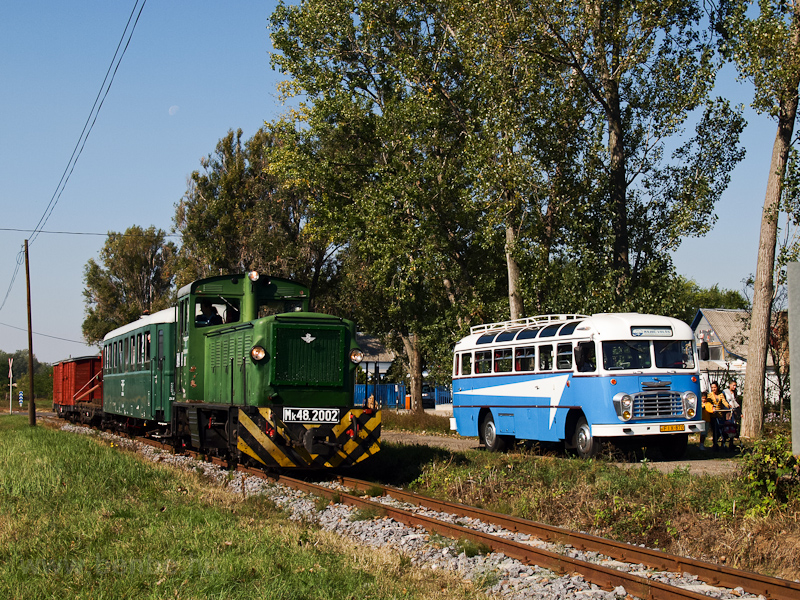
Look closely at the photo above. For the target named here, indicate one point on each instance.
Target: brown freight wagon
(78, 388)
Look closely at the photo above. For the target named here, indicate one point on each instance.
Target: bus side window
(546, 358)
(564, 357)
(525, 359)
(585, 357)
(483, 361)
(502, 360)
(466, 363)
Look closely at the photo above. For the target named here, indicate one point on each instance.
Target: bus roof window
(528, 334)
(550, 330)
(569, 328)
(507, 336)
(486, 338)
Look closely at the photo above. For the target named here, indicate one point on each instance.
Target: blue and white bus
(579, 380)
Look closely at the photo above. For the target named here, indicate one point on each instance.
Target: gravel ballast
(494, 573)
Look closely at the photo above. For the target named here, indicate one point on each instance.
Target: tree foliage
(465, 151)
(135, 276)
(240, 214)
(765, 46)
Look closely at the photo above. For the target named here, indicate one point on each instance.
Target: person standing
(719, 410)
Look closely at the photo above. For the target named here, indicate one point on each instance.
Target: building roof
(730, 326)
(373, 349)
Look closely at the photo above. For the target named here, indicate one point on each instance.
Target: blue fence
(393, 395)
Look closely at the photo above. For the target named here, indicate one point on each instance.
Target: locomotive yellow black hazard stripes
(265, 438)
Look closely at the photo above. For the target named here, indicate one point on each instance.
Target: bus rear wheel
(493, 441)
(585, 445)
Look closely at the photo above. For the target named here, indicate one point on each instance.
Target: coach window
(502, 360)
(466, 363)
(147, 348)
(525, 359)
(564, 357)
(585, 357)
(546, 358)
(528, 334)
(483, 361)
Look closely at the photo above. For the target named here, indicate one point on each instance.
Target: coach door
(159, 368)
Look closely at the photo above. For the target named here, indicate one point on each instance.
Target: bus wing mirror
(704, 351)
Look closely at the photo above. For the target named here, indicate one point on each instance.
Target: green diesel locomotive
(241, 370)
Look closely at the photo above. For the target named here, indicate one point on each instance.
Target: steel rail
(717, 575)
(605, 577)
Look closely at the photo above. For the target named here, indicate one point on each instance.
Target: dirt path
(697, 465)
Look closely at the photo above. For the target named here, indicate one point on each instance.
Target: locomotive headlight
(253, 275)
(356, 356)
(258, 353)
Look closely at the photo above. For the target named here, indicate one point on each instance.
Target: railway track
(606, 577)
(350, 491)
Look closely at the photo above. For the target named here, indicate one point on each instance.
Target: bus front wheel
(493, 441)
(585, 445)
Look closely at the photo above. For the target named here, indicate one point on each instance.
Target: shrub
(771, 471)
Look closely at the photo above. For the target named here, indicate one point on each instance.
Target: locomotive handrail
(525, 322)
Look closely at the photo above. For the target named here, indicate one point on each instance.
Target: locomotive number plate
(310, 415)
(672, 427)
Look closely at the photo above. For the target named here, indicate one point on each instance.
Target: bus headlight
(356, 356)
(623, 404)
(689, 403)
(258, 353)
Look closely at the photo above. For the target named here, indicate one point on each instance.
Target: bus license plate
(672, 427)
(310, 415)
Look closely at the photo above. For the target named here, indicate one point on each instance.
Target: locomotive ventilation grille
(309, 355)
(657, 405)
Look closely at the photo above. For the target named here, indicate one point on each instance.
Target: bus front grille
(657, 405)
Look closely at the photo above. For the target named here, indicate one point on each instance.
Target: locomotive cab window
(267, 308)
(216, 311)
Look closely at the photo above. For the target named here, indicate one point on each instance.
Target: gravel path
(496, 574)
(706, 465)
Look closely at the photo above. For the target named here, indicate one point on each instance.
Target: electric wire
(53, 337)
(91, 119)
(105, 87)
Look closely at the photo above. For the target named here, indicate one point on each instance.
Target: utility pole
(32, 400)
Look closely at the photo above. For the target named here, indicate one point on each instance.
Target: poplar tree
(766, 51)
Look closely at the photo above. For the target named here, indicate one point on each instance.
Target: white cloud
(173, 109)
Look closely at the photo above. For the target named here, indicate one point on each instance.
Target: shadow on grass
(399, 464)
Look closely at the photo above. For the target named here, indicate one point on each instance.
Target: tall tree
(648, 68)
(388, 116)
(239, 214)
(135, 276)
(766, 50)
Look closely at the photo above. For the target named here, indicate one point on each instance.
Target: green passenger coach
(241, 370)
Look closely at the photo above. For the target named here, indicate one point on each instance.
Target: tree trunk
(753, 393)
(411, 344)
(516, 308)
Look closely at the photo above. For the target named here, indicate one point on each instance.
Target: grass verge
(719, 518)
(82, 519)
(415, 421)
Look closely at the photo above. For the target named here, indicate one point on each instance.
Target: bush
(771, 471)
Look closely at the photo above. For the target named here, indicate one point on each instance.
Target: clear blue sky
(193, 71)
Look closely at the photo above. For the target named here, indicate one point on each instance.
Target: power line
(53, 337)
(87, 129)
(83, 232)
(91, 119)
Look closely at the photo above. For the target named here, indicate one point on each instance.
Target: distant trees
(692, 297)
(135, 275)
(42, 377)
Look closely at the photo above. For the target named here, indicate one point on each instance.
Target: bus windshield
(626, 355)
(675, 354)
